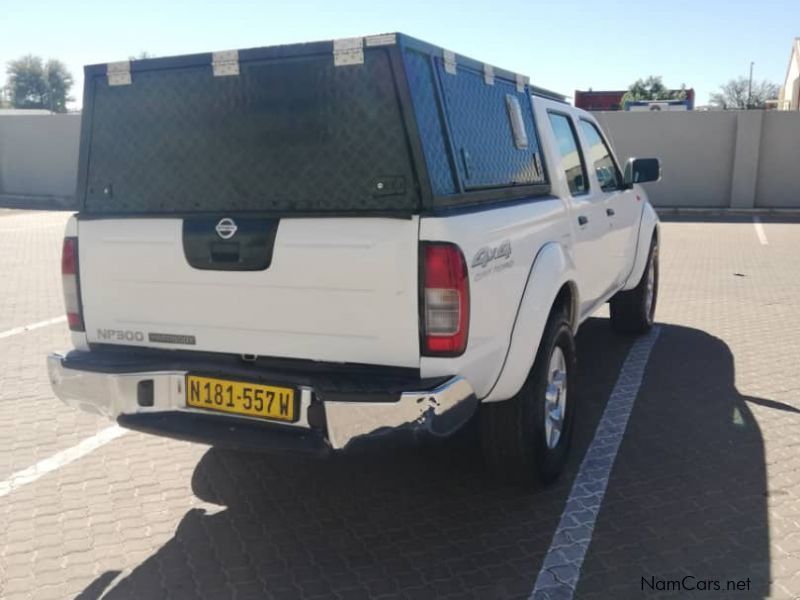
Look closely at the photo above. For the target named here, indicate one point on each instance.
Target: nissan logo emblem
(226, 228)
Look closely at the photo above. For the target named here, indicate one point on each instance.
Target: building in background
(657, 105)
(612, 100)
(790, 92)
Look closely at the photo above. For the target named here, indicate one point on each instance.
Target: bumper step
(228, 432)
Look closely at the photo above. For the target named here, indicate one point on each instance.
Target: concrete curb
(38, 202)
(665, 211)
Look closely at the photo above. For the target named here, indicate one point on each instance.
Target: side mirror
(641, 170)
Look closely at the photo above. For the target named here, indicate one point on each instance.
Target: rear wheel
(633, 311)
(526, 439)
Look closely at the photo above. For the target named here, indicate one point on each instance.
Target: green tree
(34, 84)
(650, 89)
(26, 83)
(734, 94)
(59, 82)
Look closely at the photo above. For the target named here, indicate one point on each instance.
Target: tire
(633, 311)
(514, 435)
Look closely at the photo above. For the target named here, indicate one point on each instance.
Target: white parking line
(31, 327)
(60, 459)
(762, 236)
(561, 568)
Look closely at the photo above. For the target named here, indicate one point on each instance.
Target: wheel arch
(567, 298)
(551, 285)
(648, 230)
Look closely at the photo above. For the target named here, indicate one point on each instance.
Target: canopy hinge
(119, 73)
(225, 63)
(348, 51)
(449, 61)
(488, 74)
(522, 81)
(384, 39)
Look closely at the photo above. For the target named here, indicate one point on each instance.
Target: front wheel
(633, 311)
(525, 439)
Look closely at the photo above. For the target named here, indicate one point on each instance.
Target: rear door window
(600, 157)
(571, 158)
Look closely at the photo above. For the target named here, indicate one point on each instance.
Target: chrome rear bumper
(335, 424)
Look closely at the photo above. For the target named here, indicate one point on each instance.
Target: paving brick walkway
(706, 483)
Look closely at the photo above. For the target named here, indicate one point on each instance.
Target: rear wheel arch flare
(567, 298)
(549, 279)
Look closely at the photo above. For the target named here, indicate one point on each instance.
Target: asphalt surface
(705, 486)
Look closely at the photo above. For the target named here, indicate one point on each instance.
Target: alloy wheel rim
(555, 408)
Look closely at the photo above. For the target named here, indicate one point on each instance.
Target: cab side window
(600, 157)
(571, 158)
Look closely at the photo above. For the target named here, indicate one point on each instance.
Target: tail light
(71, 284)
(445, 298)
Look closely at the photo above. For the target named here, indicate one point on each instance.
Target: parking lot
(705, 486)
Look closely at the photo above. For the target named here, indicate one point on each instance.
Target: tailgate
(339, 290)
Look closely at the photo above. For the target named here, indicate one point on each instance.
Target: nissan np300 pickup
(300, 248)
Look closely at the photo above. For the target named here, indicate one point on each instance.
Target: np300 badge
(120, 335)
(226, 228)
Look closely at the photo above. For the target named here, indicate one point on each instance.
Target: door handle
(582, 220)
(610, 212)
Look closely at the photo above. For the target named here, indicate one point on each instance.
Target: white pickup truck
(314, 247)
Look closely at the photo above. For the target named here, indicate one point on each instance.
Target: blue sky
(562, 45)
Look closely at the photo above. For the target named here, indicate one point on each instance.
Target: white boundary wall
(715, 159)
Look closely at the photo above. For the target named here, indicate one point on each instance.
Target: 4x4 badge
(487, 254)
(226, 228)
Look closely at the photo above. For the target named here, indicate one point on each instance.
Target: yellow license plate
(241, 398)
